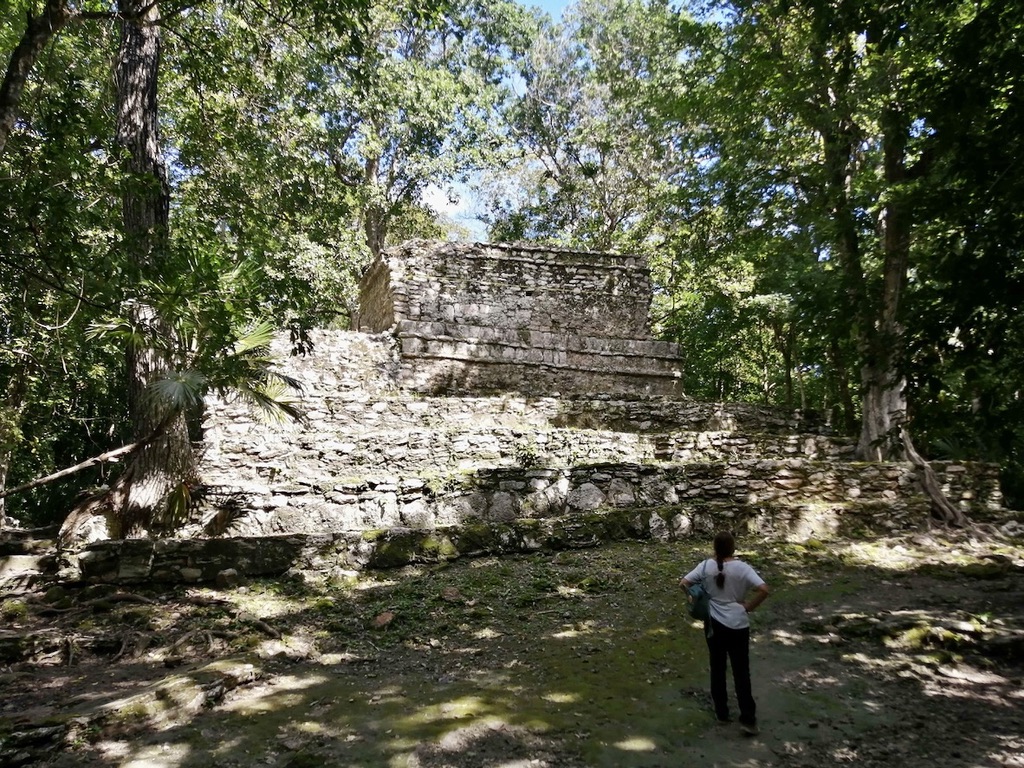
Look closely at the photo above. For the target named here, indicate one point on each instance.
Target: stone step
(21, 573)
(307, 502)
(359, 410)
(24, 540)
(352, 378)
(338, 553)
(448, 358)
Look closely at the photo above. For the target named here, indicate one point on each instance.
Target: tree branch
(38, 33)
(7, 260)
(117, 453)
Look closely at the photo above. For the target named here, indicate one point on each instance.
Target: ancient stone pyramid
(510, 398)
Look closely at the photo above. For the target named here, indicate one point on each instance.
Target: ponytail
(725, 546)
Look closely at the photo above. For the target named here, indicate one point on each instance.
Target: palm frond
(115, 326)
(179, 503)
(257, 337)
(179, 389)
(288, 381)
(272, 401)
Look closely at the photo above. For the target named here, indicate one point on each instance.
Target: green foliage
(755, 151)
(593, 155)
(58, 271)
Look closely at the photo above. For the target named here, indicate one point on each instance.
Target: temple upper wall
(536, 320)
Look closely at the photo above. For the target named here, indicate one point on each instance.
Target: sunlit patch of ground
(573, 659)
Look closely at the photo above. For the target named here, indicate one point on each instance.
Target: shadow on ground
(867, 653)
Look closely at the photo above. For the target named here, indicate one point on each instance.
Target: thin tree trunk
(844, 396)
(11, 415)
(38, 32)
(374, 217)
(803, 392)
(5, 464)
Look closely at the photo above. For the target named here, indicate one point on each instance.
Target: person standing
(736, 590)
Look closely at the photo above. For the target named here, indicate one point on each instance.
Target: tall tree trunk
(880, 335)
(38, 32)
(882, 380)
(167, 462)
(140, 501)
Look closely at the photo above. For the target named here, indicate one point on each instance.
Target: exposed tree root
(941, 506)
(260, 625)
(120, 597)
(181, 641)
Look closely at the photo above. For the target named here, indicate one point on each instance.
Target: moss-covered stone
(393, 550)
(439, 547)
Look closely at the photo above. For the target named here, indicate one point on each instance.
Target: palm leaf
(257, 337)
(179, 389)
(271, 401)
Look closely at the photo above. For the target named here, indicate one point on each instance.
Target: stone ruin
(499, 318)
(504, 399)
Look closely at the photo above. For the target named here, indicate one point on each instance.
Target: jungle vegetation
(829, 192)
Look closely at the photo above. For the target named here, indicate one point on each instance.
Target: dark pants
(732, 645)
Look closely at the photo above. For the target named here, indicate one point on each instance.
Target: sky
(554, 7)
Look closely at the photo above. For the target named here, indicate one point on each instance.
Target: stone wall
(488, 318)
(372, 456)
(378, 476)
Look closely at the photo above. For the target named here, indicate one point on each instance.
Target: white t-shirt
(727, 600)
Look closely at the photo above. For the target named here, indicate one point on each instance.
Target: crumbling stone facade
(475, 318)
(509, 398)
(379, 476)
(374, 456)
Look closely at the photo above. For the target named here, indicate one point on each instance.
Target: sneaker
(723, 720)
(749, 729)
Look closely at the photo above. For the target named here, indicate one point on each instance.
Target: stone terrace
(462, 420)
(375, 458)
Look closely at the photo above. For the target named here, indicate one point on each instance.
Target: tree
(423, 115)
(819, 126)
(39, 30)
(148, 494)
(57, 272)
(594, 153)
(966, 349)
(840, 125)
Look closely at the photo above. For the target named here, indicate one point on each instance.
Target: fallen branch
(117, 453)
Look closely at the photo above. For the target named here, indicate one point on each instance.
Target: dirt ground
(907, 650)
